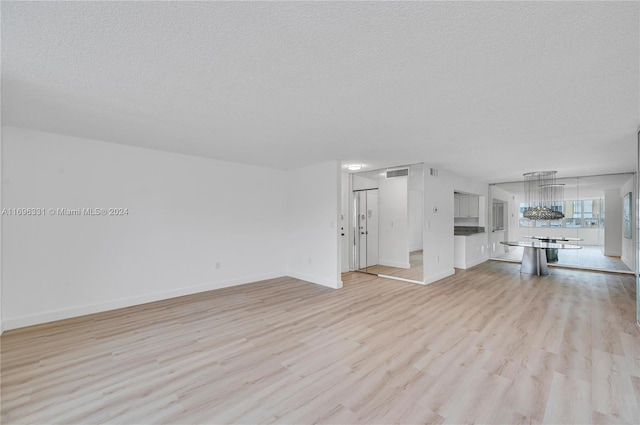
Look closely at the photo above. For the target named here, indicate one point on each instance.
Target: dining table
(534, 257)
(552, 253)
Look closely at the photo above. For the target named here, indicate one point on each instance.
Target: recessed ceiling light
(354, 167)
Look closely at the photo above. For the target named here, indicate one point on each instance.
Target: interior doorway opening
(385, 235)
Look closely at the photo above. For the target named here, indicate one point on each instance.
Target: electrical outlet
(309, 260)
(217, 265)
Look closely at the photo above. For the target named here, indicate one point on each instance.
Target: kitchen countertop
(467, 230)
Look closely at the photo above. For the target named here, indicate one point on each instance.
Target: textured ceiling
(486, 90)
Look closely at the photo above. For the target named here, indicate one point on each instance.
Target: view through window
(584, 213)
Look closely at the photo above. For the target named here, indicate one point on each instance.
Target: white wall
(394, 222)
(185, 215)
(438, 229)
(416, 204)
(628, 252)
(1, 204)
(312, 217)
(365, 181)
(466, 221)
(1, 191)
(613, 223)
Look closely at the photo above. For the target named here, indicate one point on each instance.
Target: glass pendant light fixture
(543, 196)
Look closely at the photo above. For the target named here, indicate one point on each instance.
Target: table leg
(534, 261)
(552, 255)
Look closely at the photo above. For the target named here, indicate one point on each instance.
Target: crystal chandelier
(543, 196)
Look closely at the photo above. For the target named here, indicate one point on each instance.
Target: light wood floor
(415, 272)
(588, 256)
(487, 345)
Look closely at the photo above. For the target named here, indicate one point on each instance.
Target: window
(587, 213)
(573, 214)
(593, 213)
(524, 222)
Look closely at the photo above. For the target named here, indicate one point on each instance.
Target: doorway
(386, 222)
(366, 229)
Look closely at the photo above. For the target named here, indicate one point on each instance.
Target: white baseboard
(50, 316)
(612, 253)
(334, 284)
(476, 262)
(438, 276)
(628, 262)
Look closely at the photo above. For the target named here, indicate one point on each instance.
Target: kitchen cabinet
(474, 206)
(466, 206)
(470, 250)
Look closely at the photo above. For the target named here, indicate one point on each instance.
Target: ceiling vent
(399, 172)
